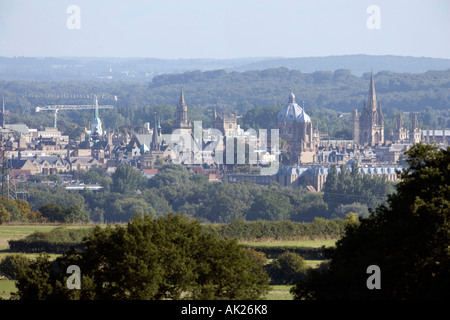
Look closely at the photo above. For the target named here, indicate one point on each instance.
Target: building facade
(368, 128)
(296, 129)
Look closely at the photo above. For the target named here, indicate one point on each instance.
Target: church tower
(2, 116)
(371, 121)
(181, 114)
(155, 144)
(414, 132)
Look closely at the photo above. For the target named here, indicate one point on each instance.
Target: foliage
(36, 246)
(10, 264)
(4, 214)
(271, 205)
(18, 210)
(279, 230)
(327, 97)
(55, 213)
(126, 179)
(358, 208)
(126, 209)
(408, 239)
(58, 240)
(346, 187)
(60, 234)
(164, 258)
(40, 195)
(273, 251)
(288, 268)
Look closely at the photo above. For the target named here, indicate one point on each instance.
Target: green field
(292, 243)
(279, 293)
(6, 287)
(276, 292)
(13, 232)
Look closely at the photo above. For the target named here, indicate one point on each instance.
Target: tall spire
(181, 102)
(2, 119)
(181, 114)
(372, 95)
(155, 140)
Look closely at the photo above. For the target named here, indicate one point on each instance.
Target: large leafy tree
(350, 186)
(164, 258)
(271, 205)
(126, 179)
(408, 239)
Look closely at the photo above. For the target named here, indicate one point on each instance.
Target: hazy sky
(224, 29)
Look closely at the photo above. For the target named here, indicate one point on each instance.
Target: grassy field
(292, 243)
(276, 292)
(279, 293)
(6, 287)
(13, 232)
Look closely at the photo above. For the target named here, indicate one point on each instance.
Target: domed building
(286, 118)
(295, 127)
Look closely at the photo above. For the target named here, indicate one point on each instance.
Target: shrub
(10, 264)
(288, 268)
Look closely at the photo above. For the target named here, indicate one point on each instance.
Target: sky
(219, 29)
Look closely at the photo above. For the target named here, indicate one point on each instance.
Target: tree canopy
(408, 239)
(149, 259)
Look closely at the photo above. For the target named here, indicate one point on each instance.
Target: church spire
(181, 102)
(155, 136)
(372, 95)
(181, 113)
(2, 119)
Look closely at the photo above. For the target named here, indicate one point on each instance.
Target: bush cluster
(58, 240)
(279, 230)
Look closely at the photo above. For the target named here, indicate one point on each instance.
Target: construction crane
(56, 108)
(7, 184)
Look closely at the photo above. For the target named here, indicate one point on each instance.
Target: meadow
(18, 231)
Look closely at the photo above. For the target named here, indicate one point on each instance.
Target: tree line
(175, 189)
(322, 93)
(173, 258)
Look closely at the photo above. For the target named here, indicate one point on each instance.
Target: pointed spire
(181, 102)
(372, 94)
(3, 113)
(181, 113)
(155, 142)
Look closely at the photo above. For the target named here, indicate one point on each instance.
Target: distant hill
(357, 64)
(140, 69)
(239, 91)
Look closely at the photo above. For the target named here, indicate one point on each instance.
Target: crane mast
(62, 107)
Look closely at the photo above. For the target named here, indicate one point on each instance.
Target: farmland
(18, 231)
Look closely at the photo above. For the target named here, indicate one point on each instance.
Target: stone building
(368, 128)
(296, 128)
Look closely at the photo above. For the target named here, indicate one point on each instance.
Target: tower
(155, 146)
(400, 133)
(355, 126)
(371, 121)
(414, 132)
(2, 117)
(181, 113)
